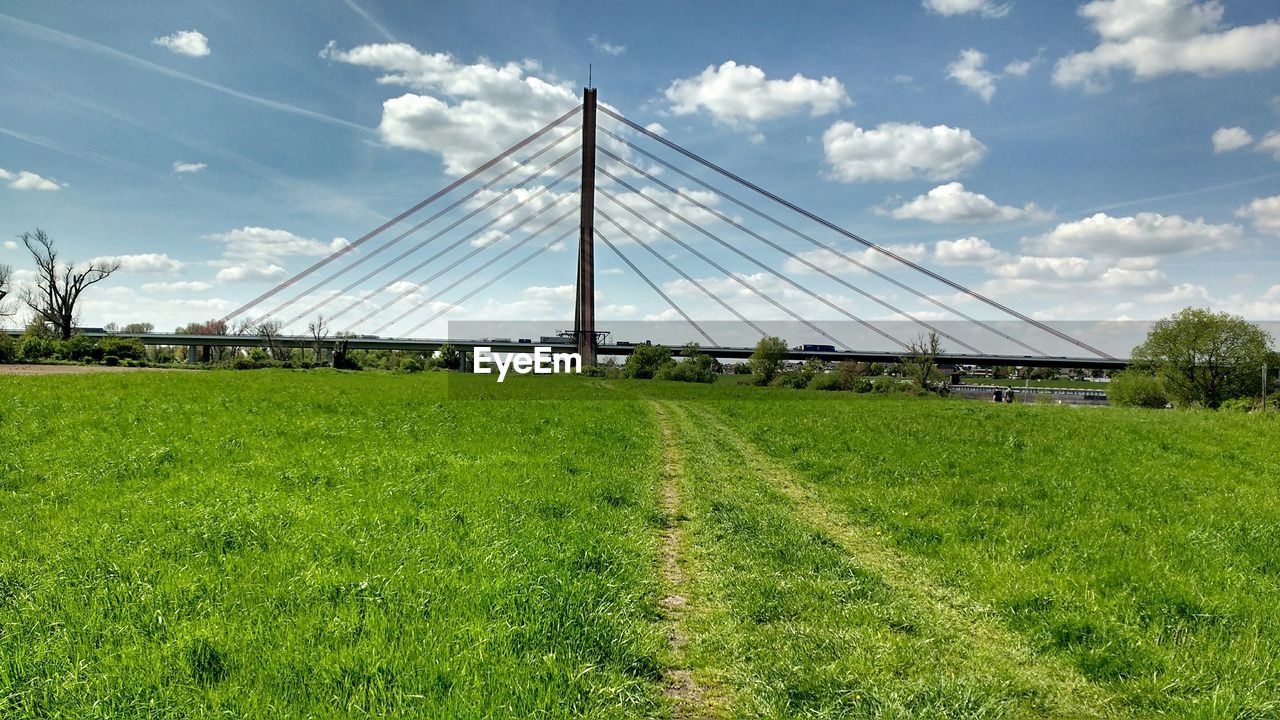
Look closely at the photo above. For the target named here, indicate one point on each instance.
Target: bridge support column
(584, 311)
(191, 354)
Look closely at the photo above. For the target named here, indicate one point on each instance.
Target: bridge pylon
(584, 310)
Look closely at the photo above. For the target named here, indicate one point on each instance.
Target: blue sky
(1077, 161)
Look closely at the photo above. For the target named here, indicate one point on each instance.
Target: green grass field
(320, 544)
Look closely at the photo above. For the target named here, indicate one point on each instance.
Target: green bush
(696, 367)
(77, 347)
(123, 348)
(1240, 405)
(110, 360)
(8, 348)
(646, 360)
(828, 381)
(1137, 389)
(34, 348)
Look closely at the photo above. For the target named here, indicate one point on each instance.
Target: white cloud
(835, 264)
(968, 70)
(1265, 214)
(188, 167)
(481, 108)
(401, 286)
(1140, 235)
(1228, 139)
(143, 262)
(615, 310)
(10, 245)
(1182, 293)
(25, 180)
(951, 203)
(656, 128)
(246, 273)
(1270, 144)
(606, 47)
(741, 94)
(986, 8)
(540, 292)
(1153, 38)
(177, 287)
(191, 43)
(261, 244)
(1018, 68)
(965, 251)
(899, 151)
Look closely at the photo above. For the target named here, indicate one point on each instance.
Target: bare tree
(270, 331)
(921, 364)
(319, 333)
(58, 285)
(7, 307)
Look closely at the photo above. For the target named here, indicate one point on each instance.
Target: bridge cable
(756, 262)
(718, 266)
(830, 249)
(476, 270)
(873, 246)
(672, 303)
(452, 206)
(373, 233)
(496, 278)
(682, 273)
(423, 243)
(501, 234)
(794, 256)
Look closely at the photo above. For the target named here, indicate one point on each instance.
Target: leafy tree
(921, 365)
(59, 285)
(696, 367)
(215, 327)
(1204, 357)
(450, 357)
(646, 361)
(766, 361)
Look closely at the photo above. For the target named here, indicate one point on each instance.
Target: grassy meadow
(323, 544)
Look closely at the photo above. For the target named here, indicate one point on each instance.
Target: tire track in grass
(1070, 695)
(688, 698)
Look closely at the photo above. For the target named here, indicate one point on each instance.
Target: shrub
(77, 347)
(1137, 389)
(33, 348)
(8, 348)
(689, 371)
(123, 348)
(828, 381)
(646, 360)
(110, 360)
(1239, 405)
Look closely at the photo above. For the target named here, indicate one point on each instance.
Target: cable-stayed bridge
(604, 177)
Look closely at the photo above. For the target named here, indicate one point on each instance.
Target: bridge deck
(428, 345)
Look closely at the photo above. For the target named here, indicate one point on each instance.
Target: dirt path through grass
(926, 649)
(688, 698)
